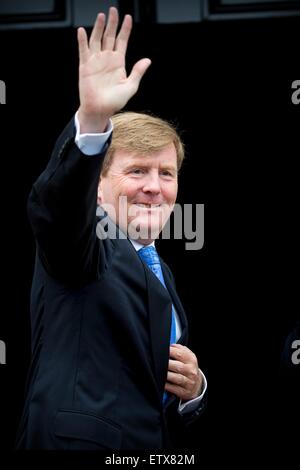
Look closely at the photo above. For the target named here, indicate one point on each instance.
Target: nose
(152, 183)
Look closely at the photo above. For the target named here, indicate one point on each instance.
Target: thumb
(137, 72)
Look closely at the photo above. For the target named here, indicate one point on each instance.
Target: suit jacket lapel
(178, 306)
(160, 326)
(182, 317)
(160, 309)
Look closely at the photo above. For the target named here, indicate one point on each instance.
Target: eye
(167, 173)
(137, 171)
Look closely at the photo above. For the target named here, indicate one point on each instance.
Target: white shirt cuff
(193, 404)
(91, 144)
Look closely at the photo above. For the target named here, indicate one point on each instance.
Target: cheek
(170, 193)
(115, 190)
(131, 192)
(127, 188)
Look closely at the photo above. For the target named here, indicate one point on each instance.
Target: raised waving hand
(104, 87)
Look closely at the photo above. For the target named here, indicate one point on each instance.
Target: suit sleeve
(62, 211)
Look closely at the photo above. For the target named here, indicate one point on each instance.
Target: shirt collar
(138, 245)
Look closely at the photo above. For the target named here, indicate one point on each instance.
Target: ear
(99, 194)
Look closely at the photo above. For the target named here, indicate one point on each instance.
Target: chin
(143, 230)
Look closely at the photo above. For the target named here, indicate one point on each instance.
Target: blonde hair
(143, 134)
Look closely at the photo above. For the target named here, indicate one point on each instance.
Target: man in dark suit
(110, 369)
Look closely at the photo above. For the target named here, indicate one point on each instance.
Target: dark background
(227, 84)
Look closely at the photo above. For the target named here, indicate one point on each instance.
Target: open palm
(104, 87)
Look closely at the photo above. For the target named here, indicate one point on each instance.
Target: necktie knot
(151, 258)
(149, 255)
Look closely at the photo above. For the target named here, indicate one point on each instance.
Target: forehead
(164, 157)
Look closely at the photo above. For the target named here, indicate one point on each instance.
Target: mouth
(148, 206)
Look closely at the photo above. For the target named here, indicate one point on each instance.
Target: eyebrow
(144, 165)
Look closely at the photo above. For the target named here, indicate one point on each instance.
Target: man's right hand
(104, 87)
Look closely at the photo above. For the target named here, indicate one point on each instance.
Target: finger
(137, 73)
(187, 370)
(96, 36)
(123, 36)
(178, 379)
(178, 352)
(82, 45)
(109, 37)
(183, 354)
(176, 366)
(176, 390)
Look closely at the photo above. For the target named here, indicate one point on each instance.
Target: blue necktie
(151, 258)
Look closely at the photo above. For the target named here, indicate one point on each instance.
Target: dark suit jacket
(100, 322)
